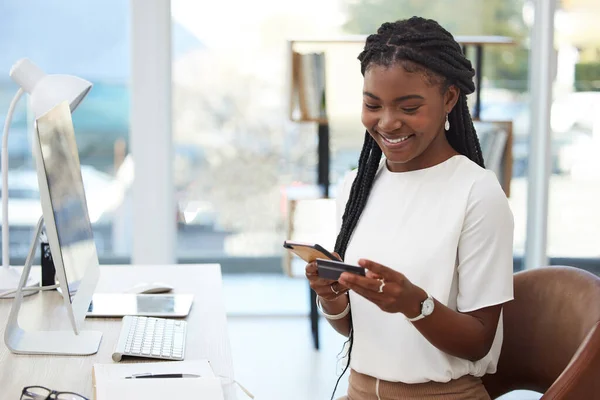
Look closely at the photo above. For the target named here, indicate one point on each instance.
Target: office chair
(551, 336)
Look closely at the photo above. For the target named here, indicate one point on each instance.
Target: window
(236, 153)
(71, 38)
(574, 194)
(238, 156)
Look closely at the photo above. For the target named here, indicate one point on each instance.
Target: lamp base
(9, 280)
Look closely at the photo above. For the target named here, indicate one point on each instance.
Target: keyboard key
(150, 337)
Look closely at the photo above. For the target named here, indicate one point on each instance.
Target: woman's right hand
(324, 288)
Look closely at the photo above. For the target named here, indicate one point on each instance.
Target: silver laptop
(149, 305)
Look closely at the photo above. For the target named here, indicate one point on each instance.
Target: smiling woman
(430, 224)
(409, 128)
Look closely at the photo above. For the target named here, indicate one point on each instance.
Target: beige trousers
(365, 387)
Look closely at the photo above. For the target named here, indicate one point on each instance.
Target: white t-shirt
(449, 229)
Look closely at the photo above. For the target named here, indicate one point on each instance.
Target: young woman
(432, 227)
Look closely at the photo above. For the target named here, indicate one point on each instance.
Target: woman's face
(405, 114)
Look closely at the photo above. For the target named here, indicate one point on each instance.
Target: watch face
(427, 308)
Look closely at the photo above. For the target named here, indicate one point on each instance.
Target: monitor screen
(61, 171)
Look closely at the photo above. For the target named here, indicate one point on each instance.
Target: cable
(5, 295)
(231, 381)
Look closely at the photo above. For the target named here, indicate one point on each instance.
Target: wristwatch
(427, 307)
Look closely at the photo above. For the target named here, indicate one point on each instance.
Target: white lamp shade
(47, 91)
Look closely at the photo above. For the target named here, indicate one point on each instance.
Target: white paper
(161, 389)
(110, 382)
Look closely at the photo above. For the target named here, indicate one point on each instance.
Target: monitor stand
(20, 341)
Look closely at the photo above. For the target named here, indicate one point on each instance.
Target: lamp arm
(5, 225)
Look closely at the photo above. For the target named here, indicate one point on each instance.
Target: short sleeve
(485, 249)
(343, 194)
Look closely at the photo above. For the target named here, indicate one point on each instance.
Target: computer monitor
(69, 233)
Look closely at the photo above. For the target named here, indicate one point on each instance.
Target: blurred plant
(231, 115)
(504, 66)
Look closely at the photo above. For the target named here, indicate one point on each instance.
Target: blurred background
(237, 157)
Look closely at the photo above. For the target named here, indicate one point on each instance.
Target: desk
(206, 337)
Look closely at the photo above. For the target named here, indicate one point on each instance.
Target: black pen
(141, 376)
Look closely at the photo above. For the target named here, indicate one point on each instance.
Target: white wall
(154, 216)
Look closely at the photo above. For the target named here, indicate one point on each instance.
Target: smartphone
(307, 251)
(331, 269)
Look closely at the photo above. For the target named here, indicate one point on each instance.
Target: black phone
(331, 269)
(309, 252)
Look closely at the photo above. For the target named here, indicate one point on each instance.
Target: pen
(141, 376)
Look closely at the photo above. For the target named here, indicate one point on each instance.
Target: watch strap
(420, 316)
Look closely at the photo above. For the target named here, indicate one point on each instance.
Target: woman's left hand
(388, 289)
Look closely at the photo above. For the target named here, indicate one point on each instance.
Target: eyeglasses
(42, 393)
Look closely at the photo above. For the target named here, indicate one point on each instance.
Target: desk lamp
(45, 92)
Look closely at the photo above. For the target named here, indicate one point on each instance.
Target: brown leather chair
(551, 336)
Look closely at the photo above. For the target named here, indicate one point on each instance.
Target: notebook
(110, 381)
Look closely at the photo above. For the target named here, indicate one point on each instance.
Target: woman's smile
(396, 142)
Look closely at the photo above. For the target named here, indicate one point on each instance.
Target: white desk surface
(207, 336)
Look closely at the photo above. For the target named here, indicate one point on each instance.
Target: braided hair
(418, 45)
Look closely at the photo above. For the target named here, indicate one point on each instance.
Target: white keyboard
(149, 337)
